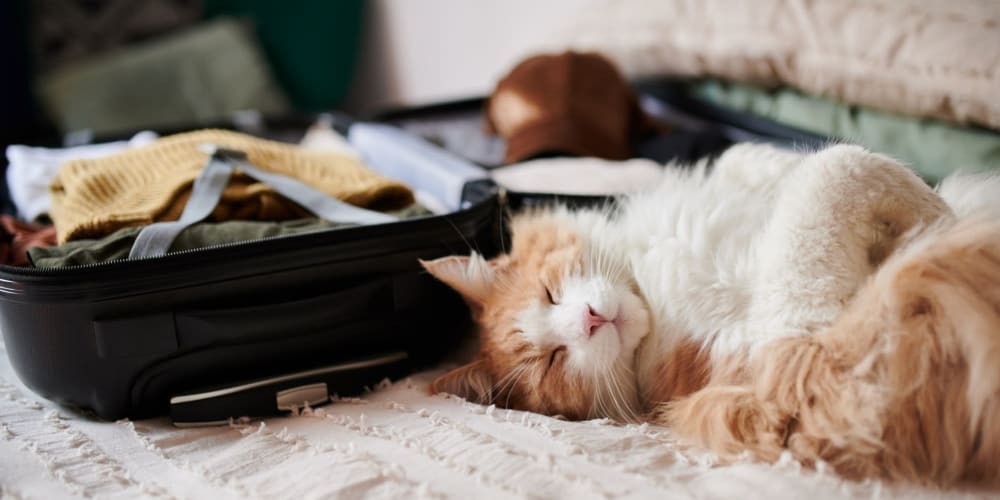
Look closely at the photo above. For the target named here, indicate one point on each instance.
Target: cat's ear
(470, 276)
(471, 382)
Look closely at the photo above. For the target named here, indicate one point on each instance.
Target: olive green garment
(933, 148)
(116, 246)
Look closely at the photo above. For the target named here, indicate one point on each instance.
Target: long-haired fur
(830, 305)
(904, 385)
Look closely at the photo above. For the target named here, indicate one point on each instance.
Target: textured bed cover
(396, 442)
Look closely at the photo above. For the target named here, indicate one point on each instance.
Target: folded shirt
(31, 169)
(117, 245)
(94, 198)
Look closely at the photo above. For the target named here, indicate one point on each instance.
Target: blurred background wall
(415, 52)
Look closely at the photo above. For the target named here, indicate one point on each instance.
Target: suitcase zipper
(475, 214)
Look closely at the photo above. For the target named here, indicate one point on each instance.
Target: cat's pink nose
(592, 320)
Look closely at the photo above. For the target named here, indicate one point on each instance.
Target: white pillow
(593, 176)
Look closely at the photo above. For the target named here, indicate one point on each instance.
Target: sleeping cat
(829, 304)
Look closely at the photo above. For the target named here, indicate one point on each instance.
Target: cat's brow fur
(826, 304)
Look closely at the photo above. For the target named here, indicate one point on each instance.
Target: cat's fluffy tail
(942, 298)
(904, 385)
(907, 381)
(930, 319)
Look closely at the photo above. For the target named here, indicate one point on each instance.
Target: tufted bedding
(396, 442)
(925, 58)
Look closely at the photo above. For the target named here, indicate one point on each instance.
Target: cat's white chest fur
(693, 245)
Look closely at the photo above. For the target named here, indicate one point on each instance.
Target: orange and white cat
(828, 304)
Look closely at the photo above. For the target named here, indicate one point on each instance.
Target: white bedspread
(396, 442)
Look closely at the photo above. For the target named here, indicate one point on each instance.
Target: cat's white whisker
(621, 404)
(508, 381)
(614, 399)
(512, 384)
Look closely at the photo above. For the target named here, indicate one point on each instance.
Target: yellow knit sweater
(93, 198)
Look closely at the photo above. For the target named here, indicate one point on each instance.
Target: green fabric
(933, 148)
(117, 245)
(197, 76)
(312, 44)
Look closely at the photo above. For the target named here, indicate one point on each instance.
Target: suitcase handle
(282, 393)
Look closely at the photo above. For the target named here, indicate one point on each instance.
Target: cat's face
(559, 323)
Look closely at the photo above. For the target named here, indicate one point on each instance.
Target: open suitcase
(262, 327)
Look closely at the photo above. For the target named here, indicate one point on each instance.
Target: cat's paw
(729, 420)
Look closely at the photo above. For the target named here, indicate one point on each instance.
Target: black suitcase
(247, 328)
(262, 327)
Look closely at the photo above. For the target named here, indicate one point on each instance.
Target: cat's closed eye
(558, 351)
(548, 294)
